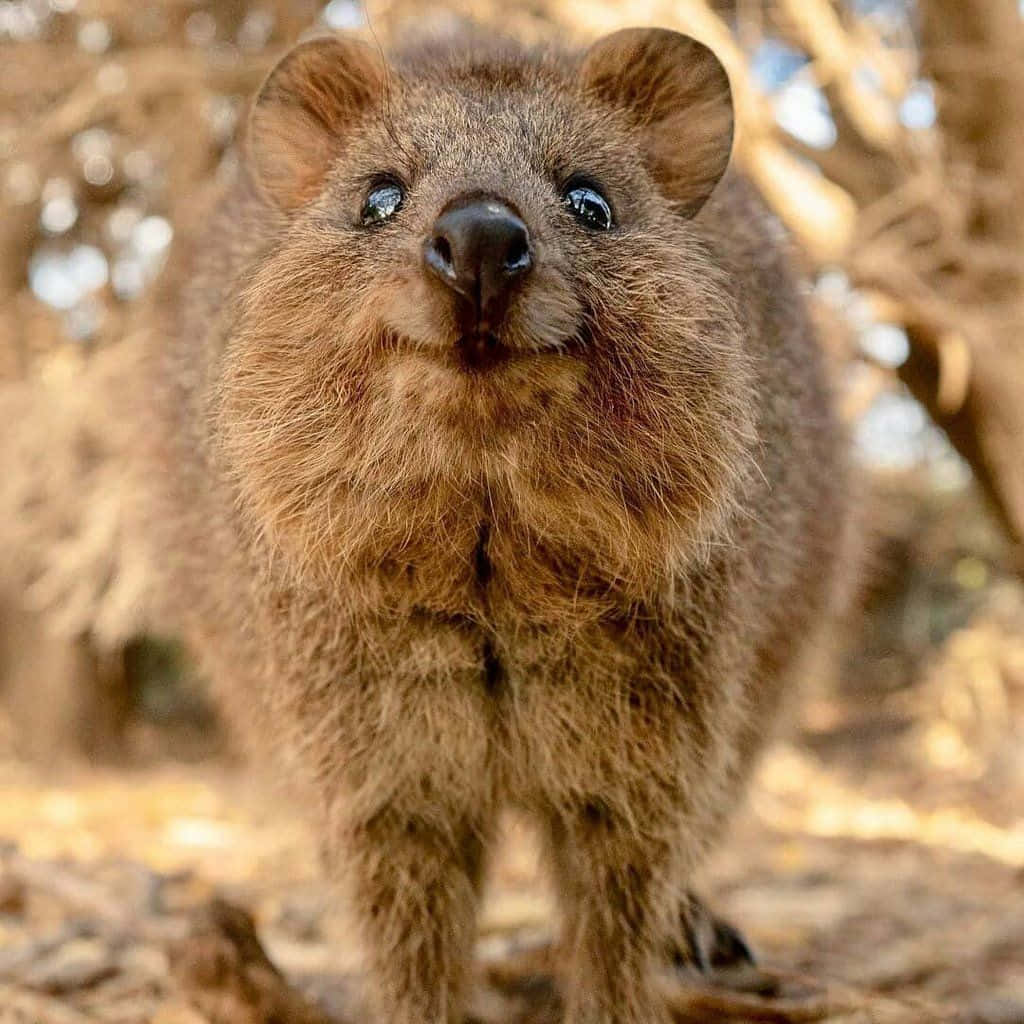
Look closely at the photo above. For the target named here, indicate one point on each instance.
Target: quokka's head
(485, 279)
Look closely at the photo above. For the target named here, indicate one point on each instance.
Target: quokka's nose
(480, 249)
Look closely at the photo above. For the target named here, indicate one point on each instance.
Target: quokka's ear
(676, 91)
(300, 116)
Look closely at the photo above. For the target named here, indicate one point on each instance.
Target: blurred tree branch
(939, 224)
(980, 114)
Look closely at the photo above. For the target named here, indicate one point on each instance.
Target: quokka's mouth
(474, 352)
(481, 351)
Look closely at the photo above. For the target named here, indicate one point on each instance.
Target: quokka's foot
(715, 949)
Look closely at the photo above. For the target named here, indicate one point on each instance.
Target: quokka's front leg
(415, 886)
(613, 886)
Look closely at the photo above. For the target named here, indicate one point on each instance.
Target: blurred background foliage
(886, 134)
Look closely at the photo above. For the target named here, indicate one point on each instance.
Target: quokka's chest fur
(503, 574)
(512, 617)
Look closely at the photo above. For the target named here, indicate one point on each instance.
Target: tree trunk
(62, 696)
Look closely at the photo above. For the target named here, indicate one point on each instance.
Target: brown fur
(577, 582)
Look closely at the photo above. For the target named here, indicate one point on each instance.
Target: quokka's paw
(714, 948)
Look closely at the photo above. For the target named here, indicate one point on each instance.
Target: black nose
(480, 249)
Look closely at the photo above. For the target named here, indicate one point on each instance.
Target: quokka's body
(489, 461)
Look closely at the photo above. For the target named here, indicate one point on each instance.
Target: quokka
(490, 462)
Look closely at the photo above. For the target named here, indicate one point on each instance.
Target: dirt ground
(874, 896)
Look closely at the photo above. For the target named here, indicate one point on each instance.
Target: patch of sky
(21, 21)
(802, 110)
(94, 36)
(58, 214)
(344, 14)
(59, 211)
(889, 8)
(891, 17)
(63, 277)
(93, 149)
(886, 344)
(917, 110)
(896, 434)
(145, 241)
(774, 63)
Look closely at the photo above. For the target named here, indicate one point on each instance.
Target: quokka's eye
(588, 206)
(382, 203)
